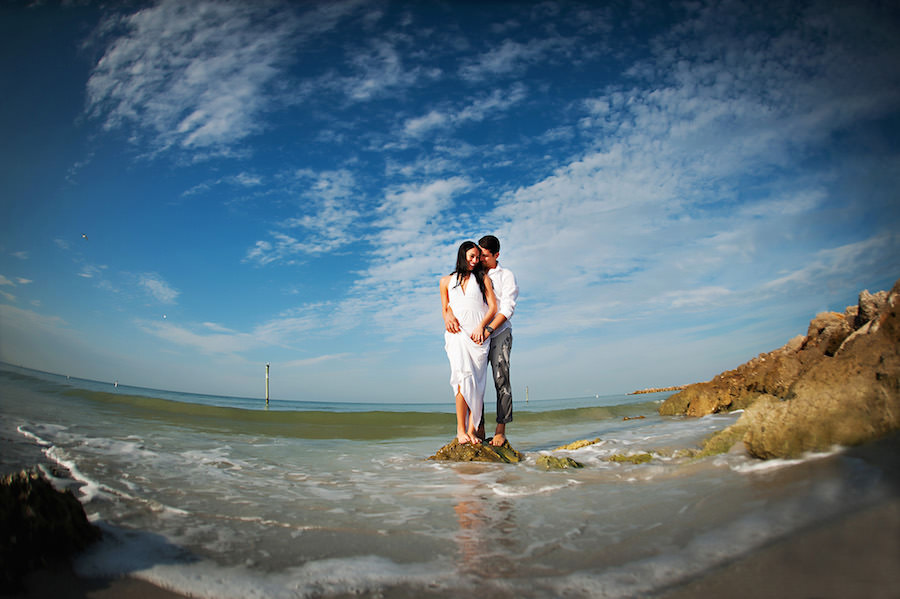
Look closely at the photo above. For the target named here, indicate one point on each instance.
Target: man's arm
(507, 296)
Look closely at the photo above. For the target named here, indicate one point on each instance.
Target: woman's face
(473, 257)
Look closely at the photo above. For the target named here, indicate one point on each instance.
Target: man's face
(489, 259)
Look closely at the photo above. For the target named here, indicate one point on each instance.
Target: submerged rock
(577, 444)
(838, 385)
(454, 451)
(38, 525)
(638, 458)
(552, 462)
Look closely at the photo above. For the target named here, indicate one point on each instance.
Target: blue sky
(193, 189)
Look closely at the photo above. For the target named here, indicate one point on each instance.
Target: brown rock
(38, 525)
(836, 385)
(869, 306)
(826, 332)
(845, 400)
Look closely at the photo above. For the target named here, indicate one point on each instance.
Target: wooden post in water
(526, 393)
(267, 384)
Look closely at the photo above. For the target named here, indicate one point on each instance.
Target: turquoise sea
(220, 497)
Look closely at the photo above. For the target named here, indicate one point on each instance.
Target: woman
(467, 291)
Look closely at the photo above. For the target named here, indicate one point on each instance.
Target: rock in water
(454, 451)
(38, 524)
(552, 462)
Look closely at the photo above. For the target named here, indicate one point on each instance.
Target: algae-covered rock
(38, 524)
(638, 458)
(454, 451)
(722, 441)
(577, 444)
(552, 462)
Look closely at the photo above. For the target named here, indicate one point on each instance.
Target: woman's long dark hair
(462, 267)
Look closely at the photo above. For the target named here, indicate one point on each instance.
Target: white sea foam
(749, 465)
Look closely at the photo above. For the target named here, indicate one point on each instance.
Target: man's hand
(479, 336)
(450, 322)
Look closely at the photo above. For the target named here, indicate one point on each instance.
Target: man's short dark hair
(490, 243)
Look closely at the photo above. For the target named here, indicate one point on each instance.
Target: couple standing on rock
(476, 318)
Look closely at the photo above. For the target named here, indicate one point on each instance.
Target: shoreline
(852, 555)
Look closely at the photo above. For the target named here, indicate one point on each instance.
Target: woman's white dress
(468, 360)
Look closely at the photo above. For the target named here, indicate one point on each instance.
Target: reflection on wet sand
(487, 531)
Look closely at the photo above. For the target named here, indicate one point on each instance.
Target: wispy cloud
(511, 57)
(153, 284)
(197, 75)
(497, 101)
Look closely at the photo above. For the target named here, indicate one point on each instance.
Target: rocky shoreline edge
(837, 385)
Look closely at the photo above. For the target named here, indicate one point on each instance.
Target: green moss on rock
(552, 462)
(577, 444)
(638, 458)
(454, 451)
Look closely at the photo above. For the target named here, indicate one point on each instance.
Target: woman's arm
(450, 322)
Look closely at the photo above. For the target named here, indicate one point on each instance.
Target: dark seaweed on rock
(38, 525)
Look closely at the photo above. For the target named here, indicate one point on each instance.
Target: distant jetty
(658, 389)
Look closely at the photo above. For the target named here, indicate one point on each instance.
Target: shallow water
(210, 498)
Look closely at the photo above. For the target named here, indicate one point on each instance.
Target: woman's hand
(450, 322)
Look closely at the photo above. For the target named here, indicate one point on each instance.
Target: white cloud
(90, 271)
(379, 69)
(478, 110)
(282, 250)
(512, 57)
(198, 75)
(209, 343)
(158, 288)
(5, 281)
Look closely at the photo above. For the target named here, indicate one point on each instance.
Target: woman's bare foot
(462, 437)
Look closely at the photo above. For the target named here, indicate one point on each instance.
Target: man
(507, 291)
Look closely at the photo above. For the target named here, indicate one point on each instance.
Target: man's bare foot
(498, 439)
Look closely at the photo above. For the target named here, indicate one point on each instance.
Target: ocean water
(219, 497)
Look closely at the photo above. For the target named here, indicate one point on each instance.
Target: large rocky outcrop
(38, 525)
(839, 384)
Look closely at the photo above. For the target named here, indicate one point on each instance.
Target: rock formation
(454, 451)
(38, 525)
(839, 384)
